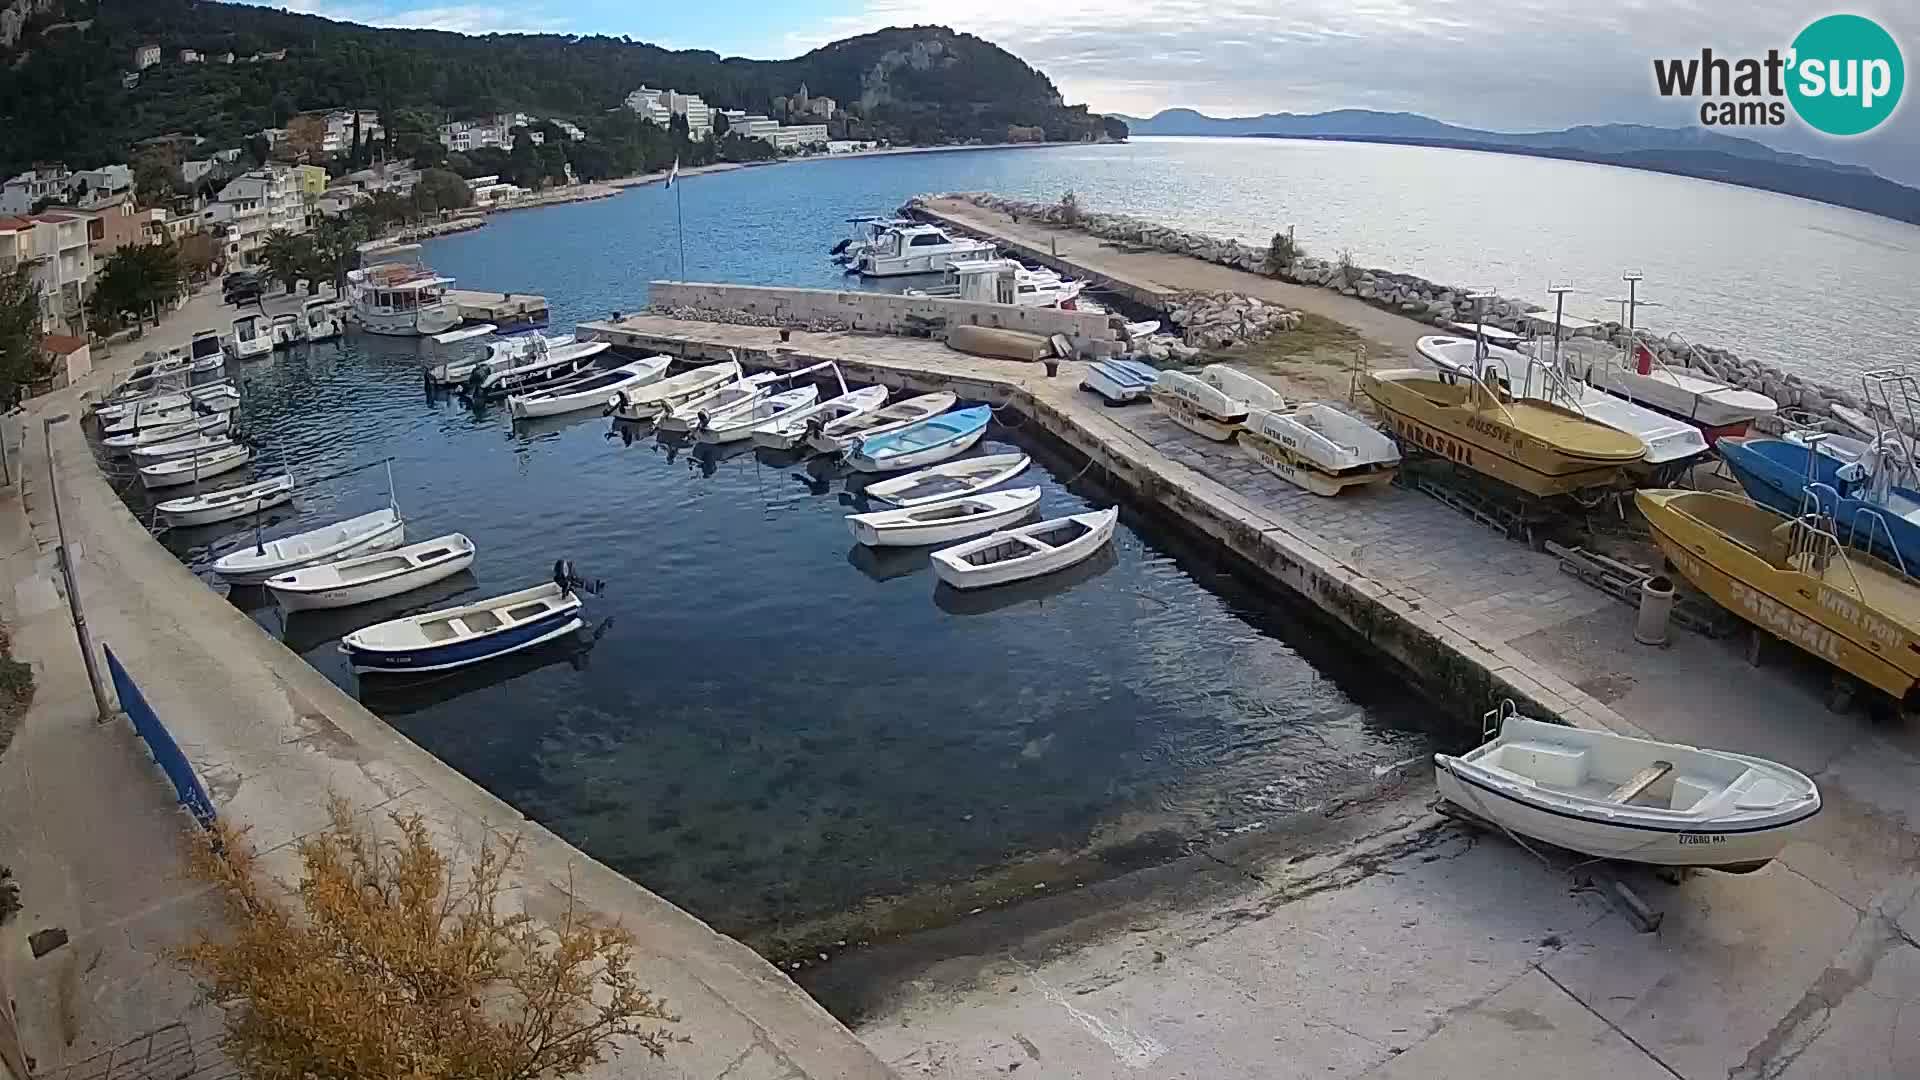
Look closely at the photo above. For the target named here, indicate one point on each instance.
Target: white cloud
(458, 18)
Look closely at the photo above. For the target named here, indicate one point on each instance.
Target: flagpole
(681, 217)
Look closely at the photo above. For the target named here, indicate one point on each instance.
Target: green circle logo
(1847, 75)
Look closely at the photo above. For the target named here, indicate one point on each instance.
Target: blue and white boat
(929, 441)
(1870, 508)
(1120, 381)
(456, 637)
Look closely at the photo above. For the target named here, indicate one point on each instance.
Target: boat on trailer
(836, 435)
(791, 430)
(1029, 551)
(946, 481)
(469, 634)
(930, 441)
(946, 521)
(1120, 381)
(363, 579)
(1320, 448)
(226, 504)
(376, 531)
(1635, 800)
(589, 390)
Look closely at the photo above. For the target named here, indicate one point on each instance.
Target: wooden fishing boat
(587, 391)
(194, 443)
(186, 470)
(949, 480)
(1320, 448)
(740, 422)
(925, 443)
(1029, 551)
(152, 416)
(1537, 447)
(366, 578)
(1120, 381)
(456, 637)
(1615, 797)
(790, 430)
(216, 396)
(228, 503)
(254, 563)
(1792, 578)
(123, 445)
(944, 522)
(836, 435)
(719, 399)
(648, 401)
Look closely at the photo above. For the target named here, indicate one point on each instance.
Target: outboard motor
(841, 246)
(616, 404)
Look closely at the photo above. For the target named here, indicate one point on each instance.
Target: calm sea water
(1816, 289)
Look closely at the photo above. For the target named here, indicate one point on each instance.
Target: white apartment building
(195, 171)
(495, 131)
(752, 126)
(55, 245)
(255, 204)
(698, 113)
(19, 194)
(94, 189)
(339, 136)
(652, 105)
(572, 130)
(798, 136)
(145, 57)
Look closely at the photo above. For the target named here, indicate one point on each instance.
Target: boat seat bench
(1640, 782)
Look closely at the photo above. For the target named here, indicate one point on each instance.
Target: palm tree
(286, 255)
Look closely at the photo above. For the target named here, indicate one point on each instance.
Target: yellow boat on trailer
(1792, 578)
(1537, 447)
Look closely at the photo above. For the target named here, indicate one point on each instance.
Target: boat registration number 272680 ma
(1702, 838)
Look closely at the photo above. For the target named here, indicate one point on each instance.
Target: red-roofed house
(71, 356)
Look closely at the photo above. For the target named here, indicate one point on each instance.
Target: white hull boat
(543, 364)
(944, 522)
(206, 353)
(1120, 381)
(251, 338)
(720, 399)
(167, 410)
(790, 430)
(456, 637)
(377, 531)
(1198, 405)
(649, 401)
(287, 331)
(217, 424)
(501, 355)
(588, 391)
(366, 578)
(1615, 797)
(1243, 387)
(917, 249)
(1723, 410)
(186, 470)
(950, 480)
(837, 435)
(740, 422)
(229, 503)
(1029, 551)
(401, 299)
(928, 442)
(1320, 448)
(209, 363)
(180, 447)
(318, 322)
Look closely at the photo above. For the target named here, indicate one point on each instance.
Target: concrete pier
(508, 311)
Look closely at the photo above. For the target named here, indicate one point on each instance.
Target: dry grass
(1313, 362)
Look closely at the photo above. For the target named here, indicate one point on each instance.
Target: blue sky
(1511, 65)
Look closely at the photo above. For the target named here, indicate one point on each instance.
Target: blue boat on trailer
(1870, 509)
(469, 634)
(928, 442)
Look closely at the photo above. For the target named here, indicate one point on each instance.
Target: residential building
(145, 57)
(652, 105)
(67, 277)
(799, 136)
(496, 193)
(387, 176)
(338, 200)
(120, 225)
(698, 113)
(337, 136)
(46, 180)
(94, 189)
(255, 204)
(20, 245)
(572, 130)
(488, 131)
(223, 58)
(192, 172)
(823, 107)
(129, 79)
(188, 56)
(752, 126)
(229, 156)
(72, 358)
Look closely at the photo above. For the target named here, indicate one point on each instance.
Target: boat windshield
(206, 346)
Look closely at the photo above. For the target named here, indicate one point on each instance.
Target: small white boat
(544, 362)
(251, 338)
(168, 409)
(1319, 447)
(1242, 387)
(587, 391)
(946, 481)
(926, 443)
(366, 578)
(944, 522)
(205, 353)
(839, 434)
(456, 637)
(318, 321)
(790, 430)
(185, 470)
(1029, 551)
(649, 401)
(110, 415)
(180, 447)
(287, 330)
(1615, 797)
(740, 421)
(377, 531)
(1199, 405)
(447, 369)
(228, 503)
(1120, 381)
(916, 249)
(719, 399)
(216, 424)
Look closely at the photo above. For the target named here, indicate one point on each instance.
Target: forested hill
(63, 99)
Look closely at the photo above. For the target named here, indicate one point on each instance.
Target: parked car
(241, 288)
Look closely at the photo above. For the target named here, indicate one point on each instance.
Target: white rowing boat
(949, 480)
(228, 503)
(788, 431)
(186, 470)
(1616, 797)
(543, 362)
(1026, 552)
(254, 563)
(649, 401)
(123, 445)
(1198, 405)
(1319, 447)
(587, 391)
(718, 399)
(944, 522)
(366, 578)
(180, 447)
(837, 435)
(456, 637)
(740, 421)
(142, 419)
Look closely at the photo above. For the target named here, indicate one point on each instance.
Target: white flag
(673, 173)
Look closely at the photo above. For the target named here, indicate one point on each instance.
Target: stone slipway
(274, 740)
(1425, 586)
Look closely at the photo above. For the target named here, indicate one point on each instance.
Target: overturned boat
(1320, 448)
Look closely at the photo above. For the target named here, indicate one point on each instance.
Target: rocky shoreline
(1415, 297)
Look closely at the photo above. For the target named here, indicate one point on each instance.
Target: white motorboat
(649, 401)
(720, 399)
(402, 298)
(1668, 440)
(318, 321)
(215, 424)
(186, 470)
(152, 369)
(917, 249)
(1026, 552)
(180, 447)
(543, 362)
(1201, 405)
(251, 338)
(740, 421)
(588, 391)
(162, 413)
(790, 430)
(1616, 797)
(1319, 447)
(456, 637)
(447, 369)
(206, 353)
(377, 531)
(1005, 281)
(366, 578)
(216, 396)
(228, 503)
(949, 480)
(1120, 381)
(287, 330)
(1721, 410)
(944, 522)
(838, 434)
(861, 233)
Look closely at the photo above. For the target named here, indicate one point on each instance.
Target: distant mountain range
(1693, 152)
